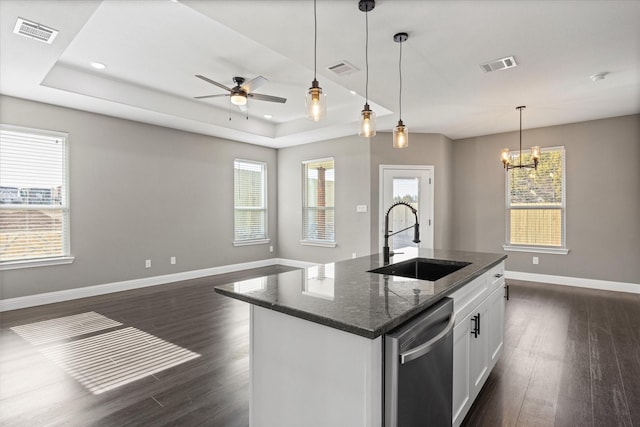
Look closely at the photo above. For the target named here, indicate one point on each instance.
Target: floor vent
(499, 64)
(343, 68)
(35, 31)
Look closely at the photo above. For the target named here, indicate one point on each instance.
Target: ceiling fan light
(238, 98)
(316, 107)
(400, 135)
(367, 122)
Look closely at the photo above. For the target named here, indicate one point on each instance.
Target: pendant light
(400, 132)
(367, 116)
(316, 107)
(535, 152)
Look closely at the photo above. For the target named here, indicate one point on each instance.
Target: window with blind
(318, 206)
(34, 200)
(250, 202)
(536, 204)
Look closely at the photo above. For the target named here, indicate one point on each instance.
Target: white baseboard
(90, 291)
(605, 285)
(107, 288)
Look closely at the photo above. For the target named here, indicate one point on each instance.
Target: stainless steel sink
(421, 268)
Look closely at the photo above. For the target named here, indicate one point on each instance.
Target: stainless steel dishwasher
(418, 368)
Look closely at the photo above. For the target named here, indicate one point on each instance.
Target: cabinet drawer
(469, 296)
(496, 276)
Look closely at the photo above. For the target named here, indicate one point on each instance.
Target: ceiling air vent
(499, 64)
(35, 31)
(343, 68)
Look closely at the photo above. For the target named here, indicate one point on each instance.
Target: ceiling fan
(242, 91)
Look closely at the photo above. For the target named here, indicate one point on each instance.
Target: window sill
(318, 243)
(41, 262)
(536, 249)
(251, 242)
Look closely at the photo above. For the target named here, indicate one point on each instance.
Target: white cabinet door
(461, 397)
(479, 349)
(477, 338)
(496, 324)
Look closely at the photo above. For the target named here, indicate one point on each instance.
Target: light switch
(361, 208)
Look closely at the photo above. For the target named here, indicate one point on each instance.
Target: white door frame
(426, 230)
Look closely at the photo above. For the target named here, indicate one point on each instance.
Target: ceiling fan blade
(208, 80)
(253, 84)
(270, 98)
(210, 96)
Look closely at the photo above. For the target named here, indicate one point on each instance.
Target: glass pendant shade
(400, 135)
(367, 122)
(316, 107)
(535, 153)
(505, 157)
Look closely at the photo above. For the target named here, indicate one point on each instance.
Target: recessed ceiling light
(352, 92)
(268, 116)
(98, 65)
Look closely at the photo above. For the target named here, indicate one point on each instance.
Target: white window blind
(250, 201)
(34, 208)
(536, 201)
(318, 208)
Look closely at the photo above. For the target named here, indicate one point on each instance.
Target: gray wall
(140, 192)
(603, 198)
(351, 155)
(146, 192)
(424, 149)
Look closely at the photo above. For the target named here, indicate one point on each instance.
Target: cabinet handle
(498, 275)
(476, 325)
(506, 292)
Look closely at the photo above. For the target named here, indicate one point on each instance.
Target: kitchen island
(316, 343)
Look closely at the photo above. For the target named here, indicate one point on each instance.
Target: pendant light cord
(400, 72)
(315, 40)
(520, 161)
(366, 57)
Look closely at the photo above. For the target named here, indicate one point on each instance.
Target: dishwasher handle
(423, 349)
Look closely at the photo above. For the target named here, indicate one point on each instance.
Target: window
(318, 206)
(250, 202)
(34, 202)
(536, 204)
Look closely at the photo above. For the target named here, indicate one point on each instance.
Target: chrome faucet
(416, 230)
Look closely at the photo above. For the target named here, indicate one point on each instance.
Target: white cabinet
(477, 337)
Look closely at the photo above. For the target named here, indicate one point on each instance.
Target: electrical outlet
(353, 255)
(173, 260)
(535, 260)
(270, 248)
(147, 263)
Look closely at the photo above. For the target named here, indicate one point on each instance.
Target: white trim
(318, 243)
(605, 285)
(38, 262)
(251, 242)
(431, 208)
(90, 291)
(536, 249)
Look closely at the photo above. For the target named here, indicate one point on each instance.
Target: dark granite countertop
(343, 295)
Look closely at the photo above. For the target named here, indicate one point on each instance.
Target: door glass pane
(404, 190)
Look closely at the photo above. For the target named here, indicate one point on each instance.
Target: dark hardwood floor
(571, 358)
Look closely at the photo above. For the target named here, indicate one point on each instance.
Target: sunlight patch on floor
(106, 361)
(61, 328)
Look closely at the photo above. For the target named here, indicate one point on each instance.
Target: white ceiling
(153, 49)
